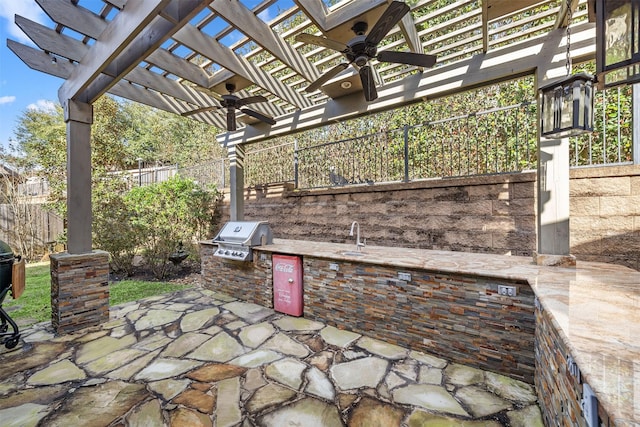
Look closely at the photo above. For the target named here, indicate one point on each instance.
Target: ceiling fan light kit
(231, 103)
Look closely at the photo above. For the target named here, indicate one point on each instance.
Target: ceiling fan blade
(389, 18)
(368, 83)
(198, 111)
(251, 100)
(409, 58)
(259, 116)
(231, 119)
(320, 41)
(326, 77)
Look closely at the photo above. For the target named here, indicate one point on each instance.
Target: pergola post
(553, 228)
(78, 117)
(80, 276)
(236, 181)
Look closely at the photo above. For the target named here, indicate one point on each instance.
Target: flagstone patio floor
(200, 358)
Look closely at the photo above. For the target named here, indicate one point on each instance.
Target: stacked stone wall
(491, 214)
(559, 388)
(79, 290)
(249, 281)
(605, 215)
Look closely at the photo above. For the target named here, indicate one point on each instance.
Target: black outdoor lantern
(617, 41)
(567, 106)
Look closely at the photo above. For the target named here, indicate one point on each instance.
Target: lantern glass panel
(579, 92)
(618, 23)
(566, 120)
(548, 106)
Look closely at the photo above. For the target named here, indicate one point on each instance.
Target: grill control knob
(226, 252)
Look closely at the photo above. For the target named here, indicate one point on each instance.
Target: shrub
(113, 228)
(168, 215)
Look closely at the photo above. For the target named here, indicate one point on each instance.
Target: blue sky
(20, 86)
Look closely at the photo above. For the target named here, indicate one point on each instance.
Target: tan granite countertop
(596, 307)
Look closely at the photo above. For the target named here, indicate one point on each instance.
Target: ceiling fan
(231, 103)
(360, 49)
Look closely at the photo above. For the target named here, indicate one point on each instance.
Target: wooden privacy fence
(29, 228)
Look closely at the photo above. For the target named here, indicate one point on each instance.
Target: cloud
(28, 9)
(42, 105)
(7, 99)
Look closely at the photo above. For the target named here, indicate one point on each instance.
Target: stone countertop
(595, 306)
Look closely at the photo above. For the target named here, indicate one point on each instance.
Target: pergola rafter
(141, 42)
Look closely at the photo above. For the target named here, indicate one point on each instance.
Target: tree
(158, 136)
(121, 133)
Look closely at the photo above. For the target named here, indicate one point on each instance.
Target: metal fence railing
(493, 141)
(498, 140)
(269, 165)
(207, 174)
(612, 140)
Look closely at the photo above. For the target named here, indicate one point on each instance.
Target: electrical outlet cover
(589, 406)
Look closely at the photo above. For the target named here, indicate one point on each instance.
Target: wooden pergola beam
(69, 15)
(40, 61)
(52, 41)
(241, 17)
(132, 35)
(180, 67)
(197, 41)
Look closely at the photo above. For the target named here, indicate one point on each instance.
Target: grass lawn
(35, 303)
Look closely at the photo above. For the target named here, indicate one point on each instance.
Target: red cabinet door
(287, 284)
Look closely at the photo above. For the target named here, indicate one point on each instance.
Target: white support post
(553, 229)
(236, 182)
(78, 117)
(553, 209)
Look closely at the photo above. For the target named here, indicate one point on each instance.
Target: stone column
(80, 276)
(78, 117)
(236, 181)
(79, 290)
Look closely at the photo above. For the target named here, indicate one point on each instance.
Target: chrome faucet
(359, 244)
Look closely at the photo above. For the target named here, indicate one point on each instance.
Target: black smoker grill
(236, 239)
(7, 259)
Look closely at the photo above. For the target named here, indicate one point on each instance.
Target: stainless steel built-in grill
(237, 238)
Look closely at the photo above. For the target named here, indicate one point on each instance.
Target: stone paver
(220, 348)
(366, 372)
(319, 384)
(201, 358)
(57, 373)
(380, 348)
(254, 335)
(287, 372)
(196, 320)
(161, 369)
(430, 397)
(338, 337)
(27, 415)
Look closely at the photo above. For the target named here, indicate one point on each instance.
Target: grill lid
(243, 233)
